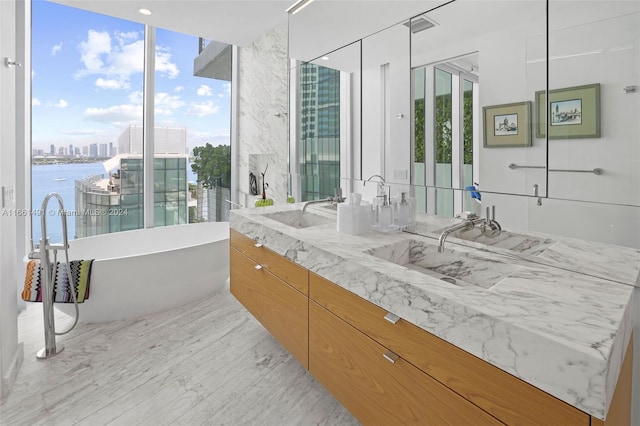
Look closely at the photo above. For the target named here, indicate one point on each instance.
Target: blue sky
(87, 81)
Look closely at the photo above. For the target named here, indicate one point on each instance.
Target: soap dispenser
(403, 217)
(385, 214)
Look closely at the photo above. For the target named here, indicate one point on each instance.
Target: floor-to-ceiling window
(86, 71)
(88, 137)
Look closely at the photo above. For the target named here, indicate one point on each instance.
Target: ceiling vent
(420, 23)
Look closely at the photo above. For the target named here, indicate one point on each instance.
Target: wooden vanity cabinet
(376, 385)
(282, 309)
(288, 271)
(384, 369)
(504, 396)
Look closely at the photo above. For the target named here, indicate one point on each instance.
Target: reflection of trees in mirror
(443, 129)
(419, 131)
(212, 165)
(468, 126)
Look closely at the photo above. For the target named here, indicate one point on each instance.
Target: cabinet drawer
(295, 275)
(282, 310)
(355, 369)
(506, 397)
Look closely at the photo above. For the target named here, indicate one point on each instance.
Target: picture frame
(507, 125)
(574, 112)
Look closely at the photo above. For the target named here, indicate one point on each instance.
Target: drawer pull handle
(258, 245)
(258, 267)
(392, 318)
(391, 357)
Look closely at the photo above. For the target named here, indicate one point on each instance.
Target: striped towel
(80, 274)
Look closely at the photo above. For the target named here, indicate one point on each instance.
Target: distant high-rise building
(85, 151)
(123, 190)
(167, 140)
(76, 151)
(52, 149)
(93, 150)
(319, 144)
(112, 151)
(70, 150)
(103, 150)
(61, 150)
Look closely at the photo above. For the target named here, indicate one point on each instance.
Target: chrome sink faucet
(488, 226)
(337, 198)
(381, 184)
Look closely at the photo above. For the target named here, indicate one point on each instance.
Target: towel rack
(596, 171)
(513, 166)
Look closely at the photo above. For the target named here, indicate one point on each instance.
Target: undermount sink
(459, 268)
(296, 219)
(519, 243)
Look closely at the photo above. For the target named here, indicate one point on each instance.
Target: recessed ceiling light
(144, 11)
(325, 58)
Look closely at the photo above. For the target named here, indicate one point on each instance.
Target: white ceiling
(323, 24)
(237, 22)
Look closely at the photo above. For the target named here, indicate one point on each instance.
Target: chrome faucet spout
(371, 177)
(465, 225)
(324, 200)
(488, 226)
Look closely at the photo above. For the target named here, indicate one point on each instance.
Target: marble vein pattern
(206, 363)
(562, 331)
(263, 114)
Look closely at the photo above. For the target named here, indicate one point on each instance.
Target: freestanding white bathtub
(149, 270)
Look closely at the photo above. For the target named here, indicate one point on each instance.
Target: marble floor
(206, 363)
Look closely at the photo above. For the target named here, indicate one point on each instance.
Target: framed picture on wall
(507, 125)
(574, 112)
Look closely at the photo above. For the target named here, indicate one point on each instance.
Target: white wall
(386, 105)
(10, 351)
(606, 52)
(263, 115)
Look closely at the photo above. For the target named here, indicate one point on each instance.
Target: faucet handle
(490, 227)
(491, 216)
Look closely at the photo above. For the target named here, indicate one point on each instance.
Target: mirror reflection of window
(446, 131)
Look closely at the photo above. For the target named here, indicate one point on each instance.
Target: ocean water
(61, 178)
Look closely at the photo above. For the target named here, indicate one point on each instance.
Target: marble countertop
(553, 311)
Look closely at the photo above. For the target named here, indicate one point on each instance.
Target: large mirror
(474, 58)
(325, 126)
(476, 67)
(594, 102)
(386, 105)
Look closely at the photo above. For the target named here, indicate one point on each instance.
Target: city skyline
(87, 81)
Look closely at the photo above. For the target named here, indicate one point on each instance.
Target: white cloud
(227, 88)
(61, 104)
(164, 64)
(126, 60)
(136, 97)
(112, 84)
(55, 49)
(117, 115)
(128, 37)
(117, 58)
(35, 102)
(204, 90)
(203, 109)
(96, 45)
(166, 104)
(78, 132)
(178, 89)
